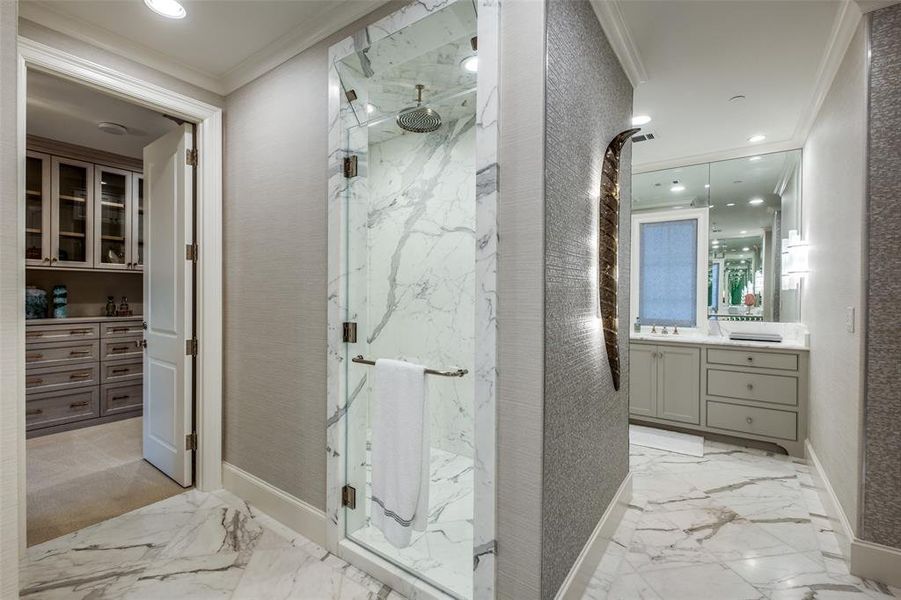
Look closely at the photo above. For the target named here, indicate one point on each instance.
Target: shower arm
(454, 373)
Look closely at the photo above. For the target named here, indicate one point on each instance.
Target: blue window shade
(668, 273)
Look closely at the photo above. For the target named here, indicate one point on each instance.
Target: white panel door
(168, 297)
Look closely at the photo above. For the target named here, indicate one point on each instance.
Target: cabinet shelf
(71, 234)
(32, 230)
(112, 238)
(112, 204)
(34, 193)
(72, 198)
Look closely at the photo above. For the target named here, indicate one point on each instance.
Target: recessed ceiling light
(112, 128)
(757, 137)
(167, 8)
(640, 120)
(755, 201)
(371, 108)
(715, 242)
(706, 186)
(745, 249)
(676, 207)
(470, 63)
(742, 232)
(755, 158)
(730, 204)
(677, 188)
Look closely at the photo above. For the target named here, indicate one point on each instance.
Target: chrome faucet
(664, 332)
(654, 328)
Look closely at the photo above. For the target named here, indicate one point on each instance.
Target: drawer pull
(34, 356)
(749, 420)
(34, 334)
(121, 370)
(81, 375)
(80, 332)
(33, 412)
(125, 397)
(79, 352)
(118, 349)
(35, 381)
(79, 404)
(119, 329)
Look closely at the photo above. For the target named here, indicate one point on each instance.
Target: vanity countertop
(52, 321)
(716, 340)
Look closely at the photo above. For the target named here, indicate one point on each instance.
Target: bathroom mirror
(754, 207)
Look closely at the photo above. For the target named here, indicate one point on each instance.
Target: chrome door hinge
(349, 497)
(191, 441)
(350, 166)
(191, 347)
(191, 252)
(349, 334)
(191, 157)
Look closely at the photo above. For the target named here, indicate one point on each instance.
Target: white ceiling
(687, 58)
(220, 45)
(68, 112)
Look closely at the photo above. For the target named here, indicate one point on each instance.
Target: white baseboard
(281, 506)
(586, 564)
(865, 559)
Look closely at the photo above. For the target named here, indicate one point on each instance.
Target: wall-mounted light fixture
(795, 260)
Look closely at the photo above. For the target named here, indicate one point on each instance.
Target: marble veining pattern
(343, 384)
(735, 524)
(195, 546)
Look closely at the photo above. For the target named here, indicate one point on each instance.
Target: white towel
(400, 450)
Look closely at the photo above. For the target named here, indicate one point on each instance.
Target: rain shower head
(418, 119)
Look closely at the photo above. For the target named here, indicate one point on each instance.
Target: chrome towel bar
(455, 373)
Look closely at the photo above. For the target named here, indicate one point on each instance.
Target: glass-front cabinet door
(137, 219)
(37, 209)
(72, 203)
(112, 218)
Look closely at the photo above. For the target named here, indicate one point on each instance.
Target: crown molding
(610, 14)
(843, 28)
(104, 39)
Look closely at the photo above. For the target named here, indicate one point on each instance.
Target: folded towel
(400, 451)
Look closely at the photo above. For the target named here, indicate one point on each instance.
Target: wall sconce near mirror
(795, 261)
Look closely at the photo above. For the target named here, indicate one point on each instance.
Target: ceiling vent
(644, 137)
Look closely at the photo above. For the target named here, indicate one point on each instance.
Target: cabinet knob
(53, 260)
(750, 359)
(750, 386)
(749, 420)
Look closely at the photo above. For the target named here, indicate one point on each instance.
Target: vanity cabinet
(664, 382)
(753, 393)
(81, 372)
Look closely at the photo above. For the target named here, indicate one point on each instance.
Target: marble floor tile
(195, 546)
(735, 523)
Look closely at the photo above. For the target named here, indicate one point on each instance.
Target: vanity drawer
(776, 389)
(750, 358)
(60, 353)
(121, 329)
(46, 379)
(62, 332)
(751, 419)
(122, 370)
(56, 408)
(120, 347)
(122, 397)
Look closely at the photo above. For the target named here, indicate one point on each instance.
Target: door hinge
(191, 157)
(349, 497)
(191, 441)
(350, 333)
(350, 166)
(351, 95)
(191, 252)
(191, 347)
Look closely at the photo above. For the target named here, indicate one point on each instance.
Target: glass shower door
(410, 251)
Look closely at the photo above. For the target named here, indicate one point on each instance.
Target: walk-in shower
(405, 245)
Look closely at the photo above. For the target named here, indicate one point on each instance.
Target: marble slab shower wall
(421, 266)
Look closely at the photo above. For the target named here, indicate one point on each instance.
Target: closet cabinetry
(81, 214)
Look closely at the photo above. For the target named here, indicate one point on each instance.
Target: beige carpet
(81, 477)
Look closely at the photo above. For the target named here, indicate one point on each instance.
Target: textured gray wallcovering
(586, 446)
(274, 239)
(882, 426)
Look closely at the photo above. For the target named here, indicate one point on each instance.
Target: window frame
(688, 214)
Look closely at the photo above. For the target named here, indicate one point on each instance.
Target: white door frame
(208, 292)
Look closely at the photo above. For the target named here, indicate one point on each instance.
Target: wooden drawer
(62, 332)
(120, 398)
(751, 419)
(121, 329)
(776, 389)
(122, 370)
(56, 408)
(750, 358)
(48, 354)
(120, 347)
(46, 379)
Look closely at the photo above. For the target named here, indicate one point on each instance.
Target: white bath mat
(662, 439)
